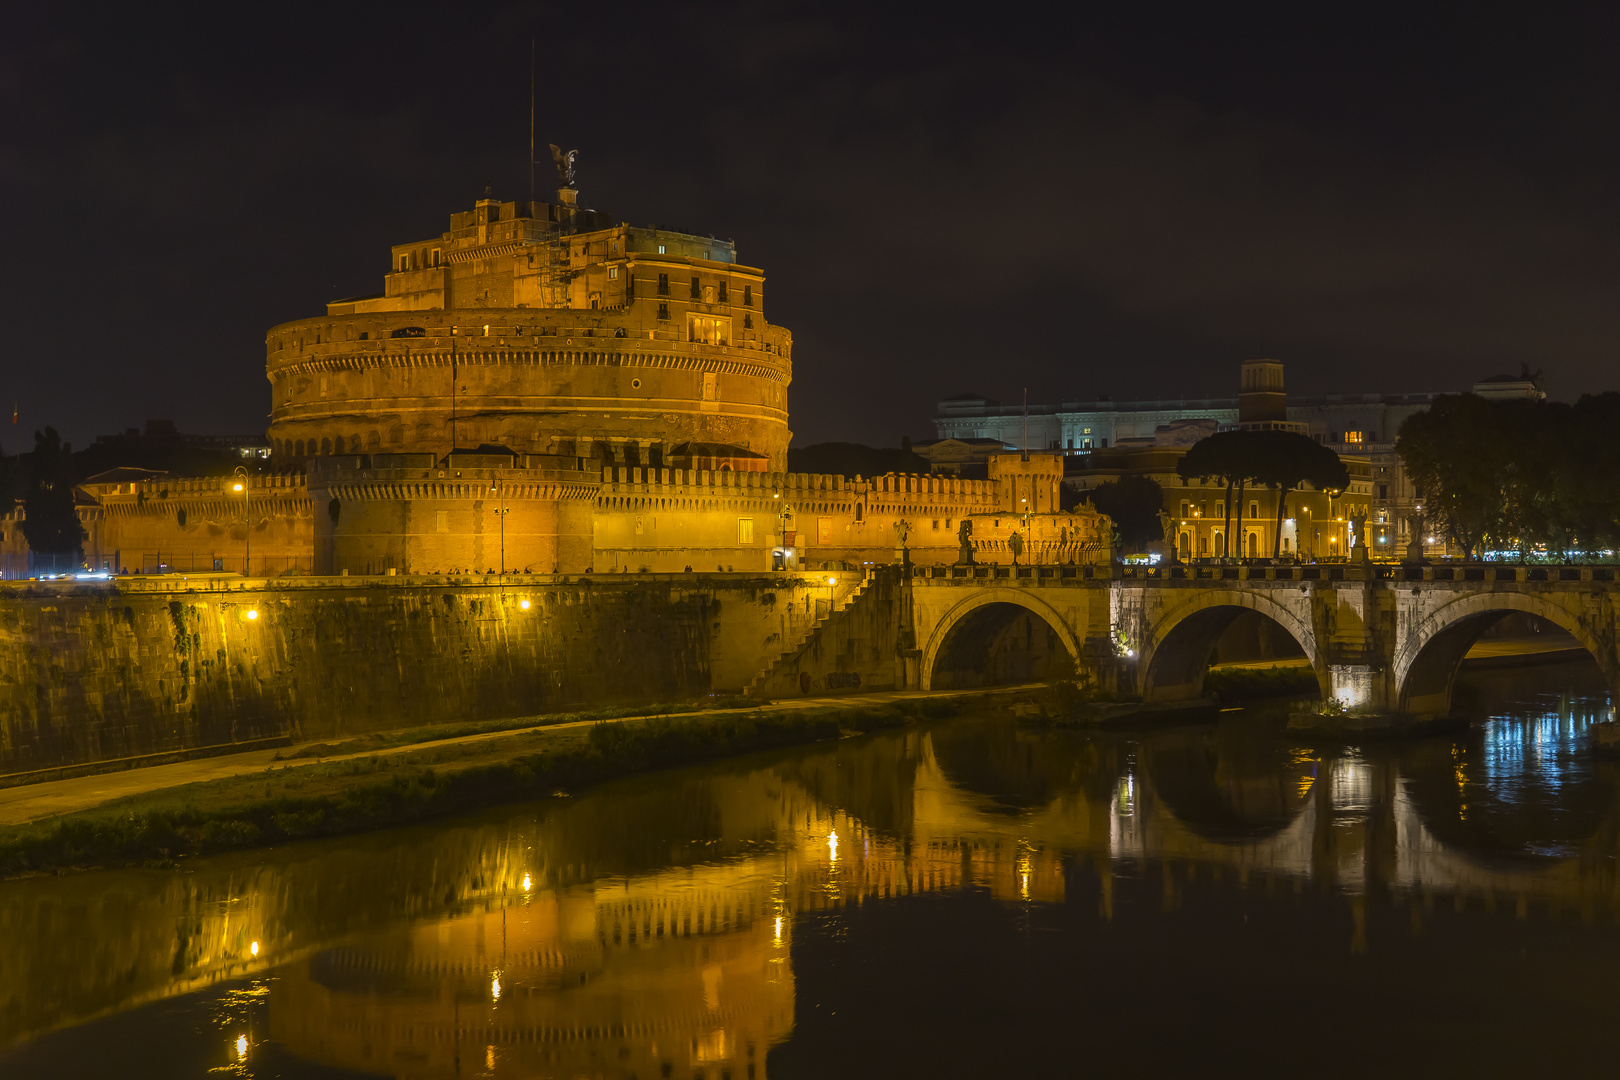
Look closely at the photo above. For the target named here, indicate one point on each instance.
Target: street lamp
(247, 525)
(500, 512)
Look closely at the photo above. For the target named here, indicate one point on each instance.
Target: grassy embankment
(299, 801)
(1236, 684)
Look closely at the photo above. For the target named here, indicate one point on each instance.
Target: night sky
(1088, 199)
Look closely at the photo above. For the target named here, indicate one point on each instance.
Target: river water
(973, 898)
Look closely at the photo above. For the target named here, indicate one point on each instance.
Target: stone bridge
(1383, 638)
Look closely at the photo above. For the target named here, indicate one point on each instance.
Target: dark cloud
(1076, 201)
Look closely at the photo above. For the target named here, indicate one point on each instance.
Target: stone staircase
(802, 634)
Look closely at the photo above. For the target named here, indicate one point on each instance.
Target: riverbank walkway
(33, 802)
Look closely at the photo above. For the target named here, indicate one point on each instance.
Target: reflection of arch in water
(1215, 784)
(1525, 789)
(1426, 662)
(1176, 655)
(1017, 771)
(998, 635)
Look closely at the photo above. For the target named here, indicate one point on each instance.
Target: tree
(1456, 455)
(50, 523)
(1286, 460)
(1238, 457)
(1133, 504)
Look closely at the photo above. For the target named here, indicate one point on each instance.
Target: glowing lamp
(524, 604)
(254, 948)
(251, 614)
(237, 487)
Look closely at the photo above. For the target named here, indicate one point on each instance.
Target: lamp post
(247, 525)
(500, 511)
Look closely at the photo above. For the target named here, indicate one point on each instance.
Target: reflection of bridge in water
(649, 924)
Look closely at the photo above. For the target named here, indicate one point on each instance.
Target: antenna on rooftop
(1026, 424)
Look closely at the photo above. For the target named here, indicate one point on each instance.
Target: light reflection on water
(889, 892)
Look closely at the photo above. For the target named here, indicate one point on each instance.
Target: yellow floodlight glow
(524, 604)
(237, 487)
(251, 613)
(526, 884)
(495, 986)
(832, 581)
(254, 948)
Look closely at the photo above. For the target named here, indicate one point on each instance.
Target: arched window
(326, 446)
(298, 448)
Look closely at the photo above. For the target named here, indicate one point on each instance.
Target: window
(1355, 436)
(404, 263)
(613, 273)
(936, 524)
(1087, 431)
(663, 288)
(1220, 508)
(1071, 444)
(748, 322)
(745, 530)
(1254, 509)
(435, 256)
(697, 289)
(663, 311)
(1383, 491)
(660, 249)
(709, 329)
(722, 291)
(1185, 508)
(748, 296)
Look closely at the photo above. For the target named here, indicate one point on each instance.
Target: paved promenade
(32, 802)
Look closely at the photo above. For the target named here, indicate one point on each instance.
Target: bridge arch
(1428, 656)
(976, 621)
(1178, 643)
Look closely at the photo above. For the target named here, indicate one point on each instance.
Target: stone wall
(144, 667)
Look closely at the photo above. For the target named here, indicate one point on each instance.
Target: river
(971, 898)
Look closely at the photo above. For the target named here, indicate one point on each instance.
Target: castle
(540, 390)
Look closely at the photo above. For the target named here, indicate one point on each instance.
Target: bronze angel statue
(565, 165)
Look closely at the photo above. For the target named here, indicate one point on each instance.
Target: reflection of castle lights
(778, 930)
(832, 846)
(254, 948)
(241, 1048)
(526, 883)
(495, 986)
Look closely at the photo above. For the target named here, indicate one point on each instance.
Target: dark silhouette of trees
(1231, 456)
(1517, 473)
(50, 523)
(1289, 461)
(1281, 460)
(1133, 504)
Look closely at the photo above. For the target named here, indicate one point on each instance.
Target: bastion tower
(542, 328)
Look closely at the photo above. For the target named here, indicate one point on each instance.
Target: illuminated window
(613, 273)
(745, 530)
(660, 249)
(663, 287)
(709, 329)
(1355, 436)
